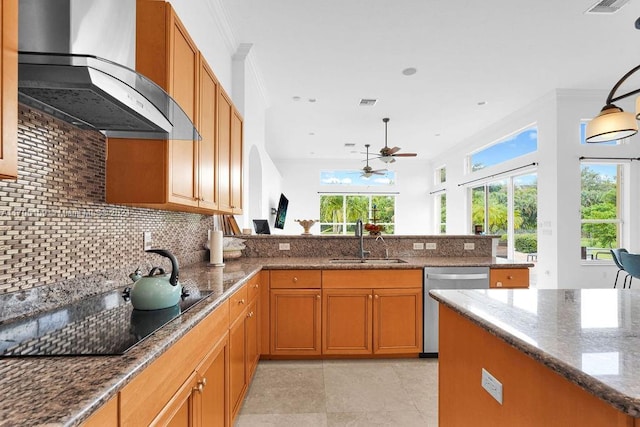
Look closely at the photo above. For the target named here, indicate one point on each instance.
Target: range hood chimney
(76, 61)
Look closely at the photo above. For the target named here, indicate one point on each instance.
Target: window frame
(344, 224)
(622, 194)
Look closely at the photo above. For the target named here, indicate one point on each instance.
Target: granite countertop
(411, 263)
(68, 389)
(589, 336)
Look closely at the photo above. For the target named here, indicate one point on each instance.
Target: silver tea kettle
(156, 290)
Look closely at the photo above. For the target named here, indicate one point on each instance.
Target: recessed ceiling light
(409, 71)
(296, 98)
(312, 133)
(312, 100)
(482, 102)
(437, 134)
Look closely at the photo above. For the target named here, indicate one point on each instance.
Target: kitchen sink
(367, 261)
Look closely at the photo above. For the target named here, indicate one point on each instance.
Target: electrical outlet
(146, 240)
(430, 246)
(469, 246)
(492, 385)
(418, 246)
(284, 246)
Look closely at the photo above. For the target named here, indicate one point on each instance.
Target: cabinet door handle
(241, 301)
(256, 286)
(377, 296)
(509, 277)
(370, 296)
(250, 314)
(318, 296)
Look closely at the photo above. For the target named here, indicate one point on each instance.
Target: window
(441, 175)
(508, 208)
(355, 177)
(519, 144)
(601, 222)
(339, 212)
(441, 212)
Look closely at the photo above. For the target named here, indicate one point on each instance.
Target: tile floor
(389, 392)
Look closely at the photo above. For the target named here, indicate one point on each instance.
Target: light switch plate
(284, 246)
(492, 385)
(146, 240)
(418, 246)
(469, 246)
(430, 246)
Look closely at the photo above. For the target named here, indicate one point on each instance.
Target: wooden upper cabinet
(9, 90)
(175, 174)
(235, 162)
(225, 111)
(207, 147)
(229, 155)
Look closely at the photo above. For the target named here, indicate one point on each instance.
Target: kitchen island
(557, 357)
(65, 391)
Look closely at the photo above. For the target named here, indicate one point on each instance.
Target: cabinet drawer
(371, 279)
(296, 279)
(237, 303)
(509, 278)
(253, 287)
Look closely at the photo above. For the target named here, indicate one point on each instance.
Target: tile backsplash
(55, 227)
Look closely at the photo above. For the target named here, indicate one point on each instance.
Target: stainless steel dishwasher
(446, 278)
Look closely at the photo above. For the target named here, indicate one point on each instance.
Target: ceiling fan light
(387, 159)
(611, 124)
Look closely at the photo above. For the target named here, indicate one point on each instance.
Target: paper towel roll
(215, 247)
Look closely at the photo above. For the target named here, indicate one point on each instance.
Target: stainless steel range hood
(75, 62)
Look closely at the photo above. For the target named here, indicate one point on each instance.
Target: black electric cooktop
(101, 325)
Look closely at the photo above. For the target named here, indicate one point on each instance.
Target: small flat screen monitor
(281, 214)
(261, 226)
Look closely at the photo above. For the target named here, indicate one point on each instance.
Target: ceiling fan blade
(405, 155)
(394, 150)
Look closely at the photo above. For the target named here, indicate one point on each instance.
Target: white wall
(301, 185)
(557, 117)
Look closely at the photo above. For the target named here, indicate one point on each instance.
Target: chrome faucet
(360, 234)
(386, 248)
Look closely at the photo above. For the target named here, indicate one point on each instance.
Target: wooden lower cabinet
(533, 394)
(371, 321)
(212, 405)
(509, 278)
(237, 365)
(397, 321)
(347, 321)
(179, 387)
(244, 343)
(295, 322)
(106, 416)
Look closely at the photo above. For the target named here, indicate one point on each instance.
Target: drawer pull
(318, 296)
(241, 301)
(370, 297)
(295, 280)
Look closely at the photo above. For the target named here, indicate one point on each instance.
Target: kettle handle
(174, 263)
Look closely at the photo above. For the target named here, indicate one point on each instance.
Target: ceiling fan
(387, 154)
(368, 171)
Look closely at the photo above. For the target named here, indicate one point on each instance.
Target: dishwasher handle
(452, 276)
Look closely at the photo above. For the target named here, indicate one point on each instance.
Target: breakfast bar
(539, 357)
